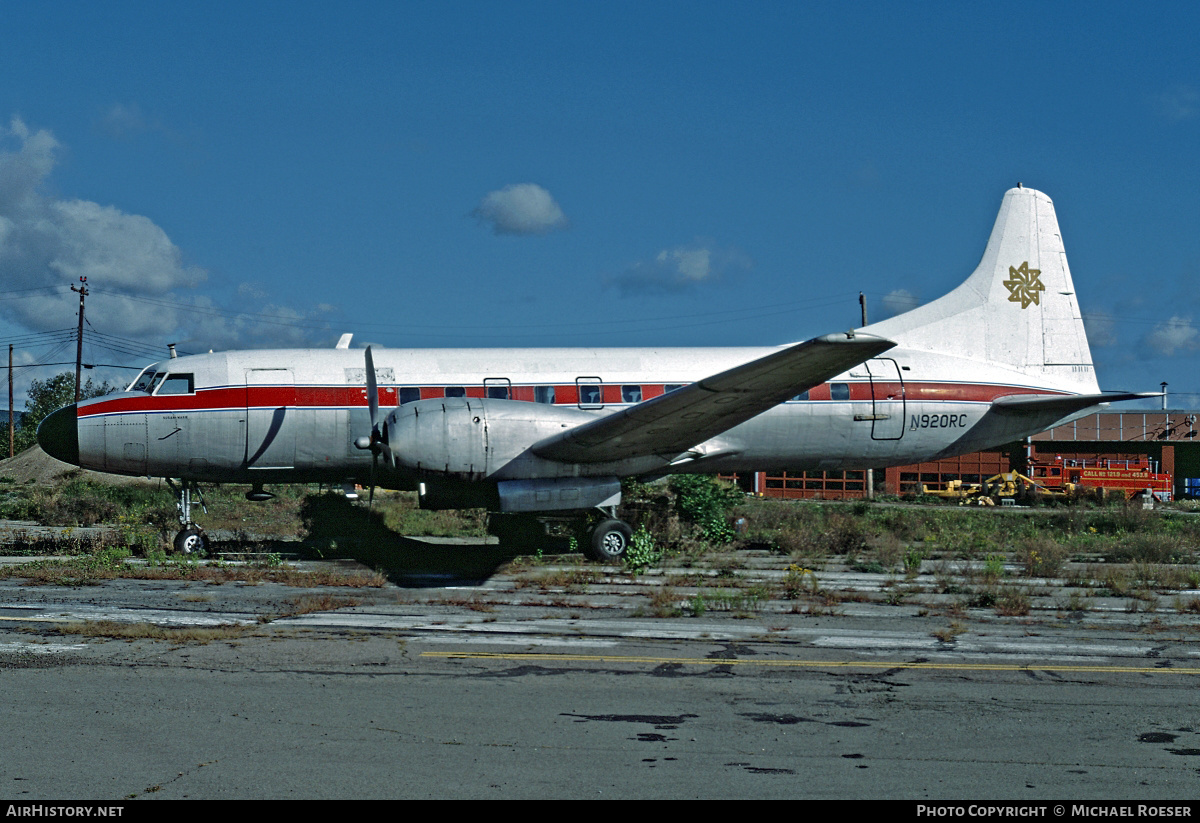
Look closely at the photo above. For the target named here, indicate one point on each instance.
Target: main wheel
(191, 541)
(610, 540)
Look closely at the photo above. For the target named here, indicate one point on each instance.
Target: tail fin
(1017, 309)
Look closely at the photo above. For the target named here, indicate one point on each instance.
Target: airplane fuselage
(293, 415)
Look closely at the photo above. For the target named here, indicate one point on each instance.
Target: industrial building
(1165, 440)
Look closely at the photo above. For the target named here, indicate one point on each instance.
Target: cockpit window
(144, 380)
(148, 382)
(177, 384)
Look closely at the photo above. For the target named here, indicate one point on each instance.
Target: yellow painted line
(805, 664)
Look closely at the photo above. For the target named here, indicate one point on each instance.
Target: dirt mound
(35, 466)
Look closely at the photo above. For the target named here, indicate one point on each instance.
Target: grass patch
(109, 564)
(150, 631)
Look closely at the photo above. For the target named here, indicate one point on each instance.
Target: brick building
(1167, 438)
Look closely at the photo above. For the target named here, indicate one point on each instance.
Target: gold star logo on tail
(1024, 287)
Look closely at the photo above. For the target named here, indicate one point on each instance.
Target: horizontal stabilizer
(1063, 403)
(673, 423)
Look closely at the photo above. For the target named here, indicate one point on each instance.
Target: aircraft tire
(191, 541)
(610, 540)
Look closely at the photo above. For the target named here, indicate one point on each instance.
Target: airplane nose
(58, 435)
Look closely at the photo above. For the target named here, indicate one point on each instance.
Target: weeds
(665, 603)
(706, 502)
(993, 567)
(151, 631)
(951, 632)
(643, 551)
(1012, 603)
(88, 570)
(738, 601)
(912, 561)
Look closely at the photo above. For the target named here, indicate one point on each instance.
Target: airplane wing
(1063, 403)
(673, 423)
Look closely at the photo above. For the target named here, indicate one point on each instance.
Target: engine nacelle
(473, 438)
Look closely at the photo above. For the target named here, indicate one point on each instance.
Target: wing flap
(674, 423)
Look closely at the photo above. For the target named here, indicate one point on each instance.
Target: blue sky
(246, 175)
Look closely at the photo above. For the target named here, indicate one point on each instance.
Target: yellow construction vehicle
(1005, 488)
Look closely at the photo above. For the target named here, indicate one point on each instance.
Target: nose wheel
(191, 541)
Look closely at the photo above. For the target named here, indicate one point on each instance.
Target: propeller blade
(372, 395)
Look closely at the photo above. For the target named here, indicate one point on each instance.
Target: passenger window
(839, 391)
(631, 394)
(409, 394)
(590, 392)
(543, 394)
(670, 387)
(801, 396)
(497, 388)
(456, 391)
(177, 384)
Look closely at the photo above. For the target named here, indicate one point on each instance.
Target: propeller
(377, 439)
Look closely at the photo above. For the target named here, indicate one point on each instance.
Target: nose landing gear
(191, 538)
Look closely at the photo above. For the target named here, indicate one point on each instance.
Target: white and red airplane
(544, 431)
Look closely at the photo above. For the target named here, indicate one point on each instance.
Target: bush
(643, 551)
(706, 501)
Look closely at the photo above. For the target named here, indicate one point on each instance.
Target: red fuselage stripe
(241, 397)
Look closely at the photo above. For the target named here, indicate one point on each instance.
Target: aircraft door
(270, 419)
(887, 399)
(124, 443)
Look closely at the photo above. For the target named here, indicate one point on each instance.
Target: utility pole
(11, 433)
(79, 339)
(862, 304)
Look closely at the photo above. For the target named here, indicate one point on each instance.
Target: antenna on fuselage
(171, 349)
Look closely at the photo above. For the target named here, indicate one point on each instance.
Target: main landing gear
(606, 541)
(191, 538)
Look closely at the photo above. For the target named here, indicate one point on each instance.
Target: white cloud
(120, 121)
(140, 287)
(898, 302)
(521, 209)
(48, 243)
(680, 269)
(1179, 102)
(1176, 334)
(22, 171)
(688, 264)
(1100, 329)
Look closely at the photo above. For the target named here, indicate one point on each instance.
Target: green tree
(46, 396)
